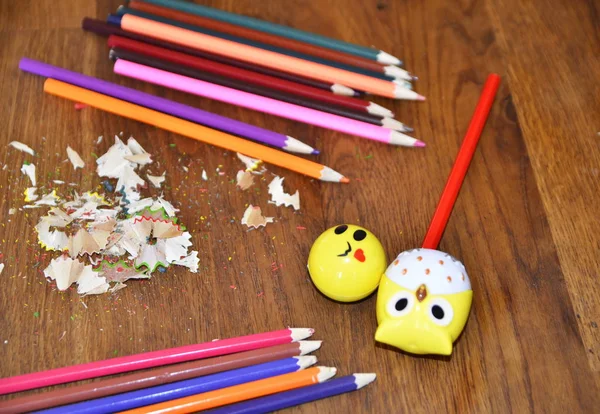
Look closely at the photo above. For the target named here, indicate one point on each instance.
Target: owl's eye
(400, 304)
(340, 229)
(440, 311)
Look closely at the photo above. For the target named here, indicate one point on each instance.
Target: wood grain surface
(526, 223)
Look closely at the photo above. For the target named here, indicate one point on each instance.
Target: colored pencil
(147, 359)
(279, 30)
(298, 396)
(255, 90)
(274, 60)
(263, 104)
(154, 377)
(461, 165)
(241, 392)
(181, 389)
(167, 106)
(247, 76)
(268, 38)
(194, 131)
(244, 41)
(102, 28)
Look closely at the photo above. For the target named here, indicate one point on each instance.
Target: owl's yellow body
(423, 302)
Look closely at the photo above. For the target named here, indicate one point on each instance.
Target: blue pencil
(161, 393)
(298, 396)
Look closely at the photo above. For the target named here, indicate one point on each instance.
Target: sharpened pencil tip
(419, 143)
(306, 361)
(362, 380)
(316, 152)
(408, 129)
(344, 180)
(294, 145)
(414, 77)
(298, 334)
(421, 98)
(387, 59)
(327, 174)
(306, 347)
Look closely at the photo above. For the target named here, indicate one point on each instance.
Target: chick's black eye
(437, 312)
(340, 229)
(359, 235)
(401, 304)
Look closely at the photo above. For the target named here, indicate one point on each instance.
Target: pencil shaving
(254, 219)
(29, 170)
(121, 272)
(123, 242)
(30, 194)
(252, 164)
(152, 205)
(280, 198)
(75, 158)
(114, 164)
(21, 147)
(141, 159)
(48, 199)
(156, 180)
(244, 179)
(66, 271)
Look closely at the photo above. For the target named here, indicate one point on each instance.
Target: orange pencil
(273, 60)
(239, 393)
(192, 130)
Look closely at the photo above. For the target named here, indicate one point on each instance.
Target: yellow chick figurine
(346, 262)
(423, 302)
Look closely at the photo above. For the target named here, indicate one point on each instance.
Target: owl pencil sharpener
(423, 302)
(346, 262)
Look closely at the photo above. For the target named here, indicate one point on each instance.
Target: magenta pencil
(263, 104)
(151, 359)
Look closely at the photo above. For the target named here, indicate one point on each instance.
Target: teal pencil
(279, 30)
(126, 10)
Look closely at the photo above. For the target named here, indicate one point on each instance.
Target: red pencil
(247, 76)
(461, 165)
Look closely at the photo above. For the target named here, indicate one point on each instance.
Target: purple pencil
(298, 396)
(167, 106)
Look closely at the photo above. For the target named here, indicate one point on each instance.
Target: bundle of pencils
(245, 62)
(250, 374)
(259, 65)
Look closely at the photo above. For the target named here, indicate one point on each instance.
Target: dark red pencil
(117, 53)
(250, 77)
(104, 29)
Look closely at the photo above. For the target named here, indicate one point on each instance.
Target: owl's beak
(414, 338)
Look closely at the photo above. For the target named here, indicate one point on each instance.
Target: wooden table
(526, 223)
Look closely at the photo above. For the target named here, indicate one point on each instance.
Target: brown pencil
(158, 376)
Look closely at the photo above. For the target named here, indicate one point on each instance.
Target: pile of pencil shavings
(106, 243)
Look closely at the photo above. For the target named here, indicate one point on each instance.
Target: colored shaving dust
(102, 242)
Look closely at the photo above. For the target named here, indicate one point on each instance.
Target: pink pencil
(151, 359)
(263, 104)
